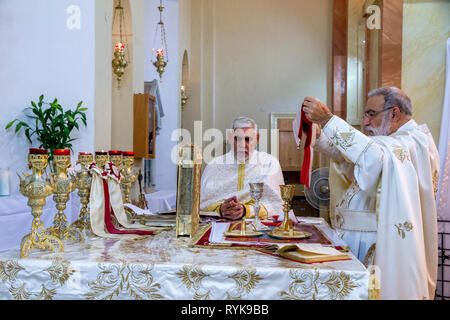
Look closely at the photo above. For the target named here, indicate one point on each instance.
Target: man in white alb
(225, 180)
(384, 183)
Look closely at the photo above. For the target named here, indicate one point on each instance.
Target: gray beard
(382, 130)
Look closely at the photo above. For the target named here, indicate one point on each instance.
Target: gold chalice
(36, 189)
(286, 229)
(287, 193)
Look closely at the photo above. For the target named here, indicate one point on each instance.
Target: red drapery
(306, 128)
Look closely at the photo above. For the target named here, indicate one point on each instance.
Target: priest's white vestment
(383, 192)
(224, 178)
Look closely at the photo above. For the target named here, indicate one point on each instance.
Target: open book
(306, 252)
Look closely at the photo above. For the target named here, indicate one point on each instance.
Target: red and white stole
(307, 130)
(107, 213)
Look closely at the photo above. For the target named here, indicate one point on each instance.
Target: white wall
(164, 171)
(269, 56)
(426, 29)
(122, 99)
(40, 55)
(103, 74)
(254, 57)
(45, 57)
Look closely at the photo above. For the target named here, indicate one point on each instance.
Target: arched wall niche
(122, 98)
(185, 68)
(185, 84)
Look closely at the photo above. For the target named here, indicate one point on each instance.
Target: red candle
(128, 154)
(160, 51)
(101, 153)
(85, 154)
(61, 152)
(115, 153)
(38, 151)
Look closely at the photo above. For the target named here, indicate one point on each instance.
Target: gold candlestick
(36, 189)
(83, 184)
(116, 158)
(143, 204)
(62, 188)
(129, 176)
(101, 158)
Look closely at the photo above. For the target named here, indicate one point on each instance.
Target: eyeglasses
(371, 114)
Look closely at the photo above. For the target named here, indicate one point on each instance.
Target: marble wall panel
(426, 29)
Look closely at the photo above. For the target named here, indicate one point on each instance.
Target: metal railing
(443, 285)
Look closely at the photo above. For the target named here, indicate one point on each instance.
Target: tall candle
(4, 182)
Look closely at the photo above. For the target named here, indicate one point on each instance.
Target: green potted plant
(51, 124)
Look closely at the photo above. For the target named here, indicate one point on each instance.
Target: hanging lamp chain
(163, 30)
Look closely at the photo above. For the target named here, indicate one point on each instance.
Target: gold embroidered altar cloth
(164, 267)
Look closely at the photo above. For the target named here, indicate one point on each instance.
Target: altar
(15, 214)
(163, 267)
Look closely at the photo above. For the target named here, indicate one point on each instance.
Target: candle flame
(120, 46)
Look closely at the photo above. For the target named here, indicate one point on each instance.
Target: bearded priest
(225, 181)
(384, 184)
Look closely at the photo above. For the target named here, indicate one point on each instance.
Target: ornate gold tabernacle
(188, 190)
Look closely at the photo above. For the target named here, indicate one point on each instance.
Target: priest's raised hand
(232, 209)
(316, 111)
(384, 180)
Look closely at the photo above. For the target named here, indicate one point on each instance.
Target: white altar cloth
(161, 201)
(164, 267)
(15, 217)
